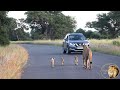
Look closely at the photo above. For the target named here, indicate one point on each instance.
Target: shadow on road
(65, 54)
(74, 53)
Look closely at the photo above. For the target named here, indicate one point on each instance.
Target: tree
(11, 28)
(115, 23)
(88, 34)
(95, 35)
(80, 30)
(19, 33)
(3, 28)
(108, 24)
(49, 24)
(101, 25)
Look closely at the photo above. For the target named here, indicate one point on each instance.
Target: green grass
(104, 45)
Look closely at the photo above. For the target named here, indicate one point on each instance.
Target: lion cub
(76, 60)
(53, 62)
(62, 62)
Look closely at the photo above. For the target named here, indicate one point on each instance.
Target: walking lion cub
(52, 62)
(62, 62)
(76, 60)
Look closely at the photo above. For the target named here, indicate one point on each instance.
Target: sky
(82, 17)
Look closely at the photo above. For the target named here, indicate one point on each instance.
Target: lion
(52, 62)
(87, 57)
(62, 61)
(113, 71)
(76, 60)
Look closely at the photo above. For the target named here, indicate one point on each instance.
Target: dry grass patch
(105, 46)
(12, 60)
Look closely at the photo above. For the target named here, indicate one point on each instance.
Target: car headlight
(86, 43)
(71, 44)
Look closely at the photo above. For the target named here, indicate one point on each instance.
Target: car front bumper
(76, 49)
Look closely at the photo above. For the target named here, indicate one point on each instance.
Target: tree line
(55, 25)
(89, 33)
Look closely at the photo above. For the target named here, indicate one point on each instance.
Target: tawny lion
(87, 56)
(113, 71)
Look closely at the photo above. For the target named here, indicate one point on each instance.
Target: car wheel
(67, 51)
(64, 51)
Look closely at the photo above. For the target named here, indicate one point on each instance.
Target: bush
(3, 37)
(4, 41)
(117, 43)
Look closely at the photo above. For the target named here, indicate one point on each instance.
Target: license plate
(79, 47)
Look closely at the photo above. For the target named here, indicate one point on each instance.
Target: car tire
(64, 51)
(68, 51)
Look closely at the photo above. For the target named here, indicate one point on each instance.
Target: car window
(77, 37)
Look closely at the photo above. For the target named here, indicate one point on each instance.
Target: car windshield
(77, 37)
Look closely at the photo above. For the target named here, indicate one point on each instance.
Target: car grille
(77, 44)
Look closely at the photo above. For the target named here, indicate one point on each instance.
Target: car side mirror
(65, 39)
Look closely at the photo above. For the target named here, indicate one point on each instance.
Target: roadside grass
(12, 60)
(41, 42)
(117, 43)
(107, 46)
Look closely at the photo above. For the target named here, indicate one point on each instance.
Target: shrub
(4, 41)
(117, 43)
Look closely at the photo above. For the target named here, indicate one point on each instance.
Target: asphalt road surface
(38, 66)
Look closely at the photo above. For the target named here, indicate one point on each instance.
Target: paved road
(38, 66)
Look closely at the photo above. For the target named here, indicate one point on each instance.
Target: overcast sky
(82, 17)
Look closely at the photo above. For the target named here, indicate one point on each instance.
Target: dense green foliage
(108, 25)
(49, 24)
